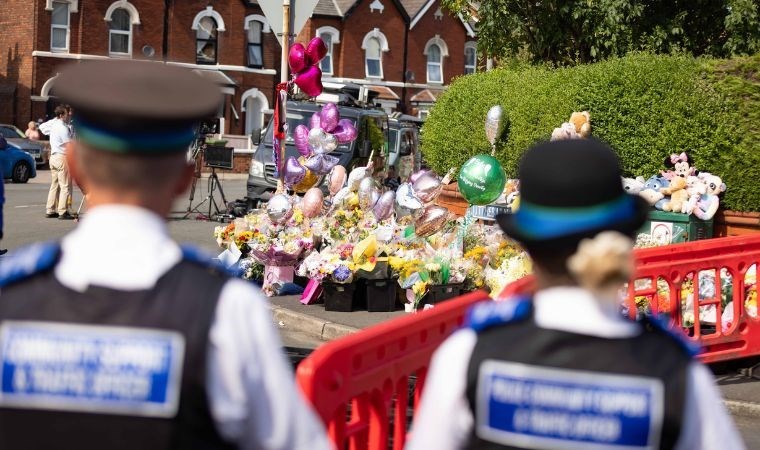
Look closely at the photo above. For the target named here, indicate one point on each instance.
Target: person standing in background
(32, 131)
(60, 183)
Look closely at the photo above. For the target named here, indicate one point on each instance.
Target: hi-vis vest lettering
(94, 369)
(550, 408)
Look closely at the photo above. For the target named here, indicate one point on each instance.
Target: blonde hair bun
(602, 263)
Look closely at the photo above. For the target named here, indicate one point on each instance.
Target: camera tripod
(214, 213)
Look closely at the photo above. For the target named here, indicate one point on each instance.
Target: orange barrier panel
(360, 383)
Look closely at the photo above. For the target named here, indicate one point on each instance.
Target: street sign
(488, 212)
(300, 11)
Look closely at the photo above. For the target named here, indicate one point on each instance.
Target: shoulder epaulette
(660, 324)
(28, 261)
(195, 255)
(490, 313)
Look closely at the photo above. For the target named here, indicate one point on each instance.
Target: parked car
(371, 123)
(15, 163)
(40, 150)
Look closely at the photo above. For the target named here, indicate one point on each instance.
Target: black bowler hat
(136, 106)
(570, 190)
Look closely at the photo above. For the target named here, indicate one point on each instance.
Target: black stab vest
(183, 300)
(653, 354)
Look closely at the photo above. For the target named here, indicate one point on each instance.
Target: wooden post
(284, 79)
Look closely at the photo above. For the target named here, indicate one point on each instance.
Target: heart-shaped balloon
(413, 177)
(366, 187)
(297, 58)
(329, 143)
(356, 176)
(310, 81)
(315, 137)
(309, 180)
(427, 187)
(329, 117)
(301, 140)
(384, 205)
(316, 49)
(315, 121)
(336, 179)
(321, 163)
(407, 203)
(345, 131)
(311, 204)
(431, 220)
(294, 172)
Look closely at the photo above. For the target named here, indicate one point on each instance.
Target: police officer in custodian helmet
(562, 368)
(118, 338)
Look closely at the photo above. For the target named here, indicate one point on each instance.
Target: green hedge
(644, 106)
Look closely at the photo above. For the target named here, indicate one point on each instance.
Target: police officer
(118, 338)
(563, 368)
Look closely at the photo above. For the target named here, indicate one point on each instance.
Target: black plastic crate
(339, 297)
(441, 292)
(381, 295)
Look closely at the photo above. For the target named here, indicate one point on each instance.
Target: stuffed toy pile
(681, 188)
(579, 126)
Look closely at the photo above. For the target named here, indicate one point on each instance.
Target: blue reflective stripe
(543, 222)
(28, 261)
(490, 313)
(134, 140)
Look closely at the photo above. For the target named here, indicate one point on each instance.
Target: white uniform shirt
(444, 420)
(252, 394)
(60, 135)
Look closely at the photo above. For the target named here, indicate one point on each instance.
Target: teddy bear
(633, 185)
(565, 131)
(679, 196)
(680, 166)
(651, 192)
(582, 123)
(708, 202)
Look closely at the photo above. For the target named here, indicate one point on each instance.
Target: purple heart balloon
(416, 175)
(294, 172)
(315, 121)
(316, 49)
(345, 132)
(329, 117)
(301, 140)
(384, 205)
(310, 81)
(297, 58)
(321, 164)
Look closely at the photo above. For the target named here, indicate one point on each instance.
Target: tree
(578, 31)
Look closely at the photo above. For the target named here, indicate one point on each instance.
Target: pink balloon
(301, 140)
(315, 51)
(321, 163)
(384, 205)
(328, 117)
(336, 179)
(345, 132)
(311, 204)
(310, 81)
(315, 121)
(297, 58)
(294, 172)
(416, 175)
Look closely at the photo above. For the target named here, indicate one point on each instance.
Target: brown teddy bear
(679, 196)
(582, 122)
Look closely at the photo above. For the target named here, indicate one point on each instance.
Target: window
(255, 51)
(434, 64)
(470, 58)
(59, 32)
(326, 63)
(205, 37)
(373, 59)
(120, 34)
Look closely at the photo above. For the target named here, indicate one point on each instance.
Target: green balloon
(481, 180)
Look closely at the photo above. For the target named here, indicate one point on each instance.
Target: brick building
(407, 50)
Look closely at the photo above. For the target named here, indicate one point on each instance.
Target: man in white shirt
(119, 338)
(60, 183)
(562, 368)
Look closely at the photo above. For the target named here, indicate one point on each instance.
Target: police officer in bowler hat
(116, 337)
(563, 368)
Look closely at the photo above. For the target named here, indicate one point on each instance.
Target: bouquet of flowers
(331, 264)
(511, 269)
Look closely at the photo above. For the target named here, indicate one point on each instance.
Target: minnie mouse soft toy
(680, 165)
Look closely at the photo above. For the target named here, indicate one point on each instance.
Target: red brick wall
(17, 25)
(451, 30)
(310, 30)
(357, 25)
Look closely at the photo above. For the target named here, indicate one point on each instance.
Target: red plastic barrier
(359, 383)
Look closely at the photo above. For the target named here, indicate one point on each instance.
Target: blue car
(15, 163)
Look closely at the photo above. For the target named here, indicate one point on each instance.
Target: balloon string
(493, 150)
